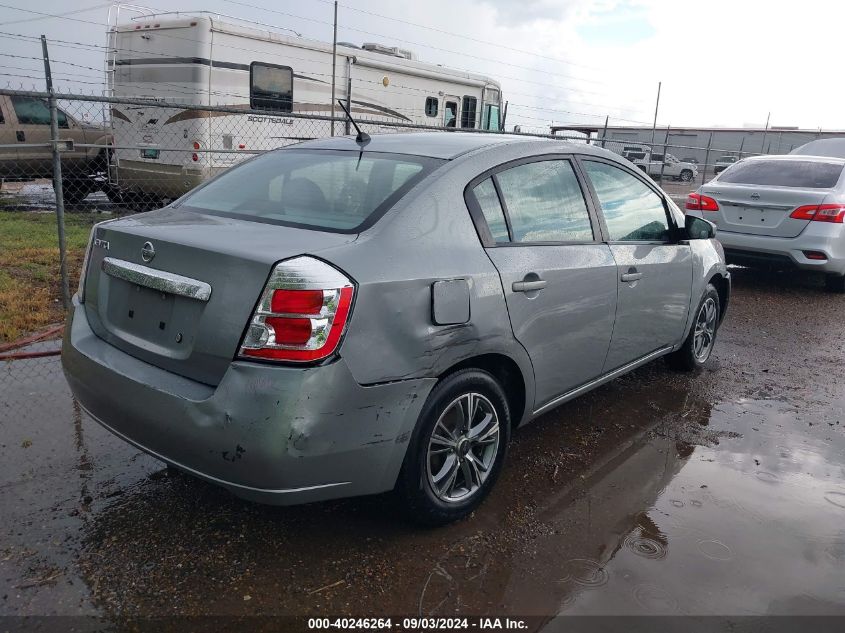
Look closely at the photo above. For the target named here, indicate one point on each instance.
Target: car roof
(446, 145)
(830, 147)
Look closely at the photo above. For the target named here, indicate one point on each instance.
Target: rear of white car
(781, 212)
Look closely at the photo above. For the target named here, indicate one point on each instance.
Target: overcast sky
(722, 62)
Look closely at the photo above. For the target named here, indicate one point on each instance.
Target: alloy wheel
(705, 330)
(462, 448)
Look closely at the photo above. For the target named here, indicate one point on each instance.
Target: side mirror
(698, 228)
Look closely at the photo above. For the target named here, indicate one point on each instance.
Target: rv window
(431, 106)
(271, 87)
(468, 112)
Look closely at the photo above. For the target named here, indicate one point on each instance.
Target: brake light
(197, 145)
(302, 313)
(697, 202)
(834, 213)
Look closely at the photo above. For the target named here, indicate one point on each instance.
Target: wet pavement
(721, 492)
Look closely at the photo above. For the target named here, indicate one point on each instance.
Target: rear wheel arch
(506, 371)
(720, 282)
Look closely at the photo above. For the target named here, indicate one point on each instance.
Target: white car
(656, 164)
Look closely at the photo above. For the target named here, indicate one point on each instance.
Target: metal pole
(656, 105)
(334, 60)
(706, 158)
(504, 116)
(741, 145)
(604, 132)
(663, 163)
(765, 132)
(57, 177)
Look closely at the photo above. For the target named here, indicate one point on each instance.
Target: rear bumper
(789, 252)
(161, 180)
(272, 434)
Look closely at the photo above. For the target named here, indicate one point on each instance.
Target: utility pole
(57, 177)
(334, 60)
(706, 158)
(656, 106)
(765, 133)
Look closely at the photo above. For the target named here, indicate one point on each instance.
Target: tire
(835, 283)
(686, 175)
(706, 324)
(427, 489)
(75, 191)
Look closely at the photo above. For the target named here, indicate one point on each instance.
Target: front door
(654, 270)
(450, 111)
(558, 278)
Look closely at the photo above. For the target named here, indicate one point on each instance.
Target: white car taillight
(302, 313)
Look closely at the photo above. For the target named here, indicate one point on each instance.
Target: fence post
(57, 177)
(334, 61)
(706, 158)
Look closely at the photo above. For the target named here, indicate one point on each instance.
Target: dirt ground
(660, 493)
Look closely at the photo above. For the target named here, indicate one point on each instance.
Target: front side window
(468, 112)
(31, 111)
(450, 115)
(488, 200)
(271, 87)
(545, 203)
(491, 117)
(431, 106)
(632, 210)
(324, 190)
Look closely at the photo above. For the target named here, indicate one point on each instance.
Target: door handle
(635, 276)
(528, 286)
(20, 135)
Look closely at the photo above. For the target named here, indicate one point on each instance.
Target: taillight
(302, 313)
(834, 213)
(697, 202)
(197, 145)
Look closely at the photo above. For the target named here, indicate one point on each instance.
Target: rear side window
(328, 190)
(270, 87)
(784, 173)
(632, 210)
(545, 203)
(468, 112)
(488, 200)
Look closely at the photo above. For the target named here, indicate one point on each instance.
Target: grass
(30, 283)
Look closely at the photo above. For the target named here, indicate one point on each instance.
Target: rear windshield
(339, 191)
(784, 173)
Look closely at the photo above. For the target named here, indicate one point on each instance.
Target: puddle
(656, 494)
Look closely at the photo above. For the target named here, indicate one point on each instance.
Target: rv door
(450, 111)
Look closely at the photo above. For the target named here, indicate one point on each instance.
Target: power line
(48, 16)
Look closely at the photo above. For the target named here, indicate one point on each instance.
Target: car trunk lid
(176, 288)
(760, 210)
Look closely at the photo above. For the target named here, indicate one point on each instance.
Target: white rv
(203, 59)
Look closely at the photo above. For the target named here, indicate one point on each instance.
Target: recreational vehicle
(200, 59)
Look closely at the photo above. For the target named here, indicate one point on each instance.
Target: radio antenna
(363, 138)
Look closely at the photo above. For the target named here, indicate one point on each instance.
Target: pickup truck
(723, 163)
(655, 164)
(25, 155)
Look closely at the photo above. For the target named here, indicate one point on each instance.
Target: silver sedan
(781, 212)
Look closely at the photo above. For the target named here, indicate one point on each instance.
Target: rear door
(654, 270)
(758, 196)
(559, 279)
